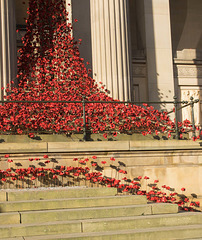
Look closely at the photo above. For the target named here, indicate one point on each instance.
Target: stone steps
(166, 233)
(34, 205)
(96, 212)
(54, 193)
(87, 213)
(100, 225)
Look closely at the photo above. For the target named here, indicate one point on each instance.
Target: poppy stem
(9, 182)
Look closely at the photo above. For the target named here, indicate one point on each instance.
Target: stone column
(159, 50)
(8, 52)
(110, 46)
(69, 9)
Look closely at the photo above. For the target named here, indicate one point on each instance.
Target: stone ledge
(88, 146)
(161, 145)
(98, 146)
(23, 147)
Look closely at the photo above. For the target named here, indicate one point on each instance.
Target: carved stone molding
(186, 112)
(188, 71)
(139, 70)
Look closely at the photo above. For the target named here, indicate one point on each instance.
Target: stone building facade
(142, 50)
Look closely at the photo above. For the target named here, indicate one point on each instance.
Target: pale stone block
(171, 144)
(145, 160)
(168, 160)
(200, 181)
(23, 206)
(78, 192)
(88, 146)
(4, 165)
(177, 177)
(189, 81)
(159, 51)
(140, 223)
(9, 218)
(23, 147)
(162, 56)
(2, 197)
(16, 238)
(85, 213)
(158, 34)
(164, 208)
(157, 7)
(176, 159)
(189, 159)
(48, 229)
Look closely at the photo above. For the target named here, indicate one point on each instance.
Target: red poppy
(105, 135)
(115, 134)
(31, 135)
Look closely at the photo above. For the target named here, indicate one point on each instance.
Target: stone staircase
(93, 214)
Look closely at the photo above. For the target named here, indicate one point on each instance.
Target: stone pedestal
(159, 51)
(110, 46)
(8, 54)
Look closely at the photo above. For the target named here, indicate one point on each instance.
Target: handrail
(84, 102)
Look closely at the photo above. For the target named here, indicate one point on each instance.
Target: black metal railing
(84, 102)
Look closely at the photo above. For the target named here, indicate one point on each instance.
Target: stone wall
(174, 163)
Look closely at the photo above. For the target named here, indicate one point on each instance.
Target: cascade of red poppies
(50, 68)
